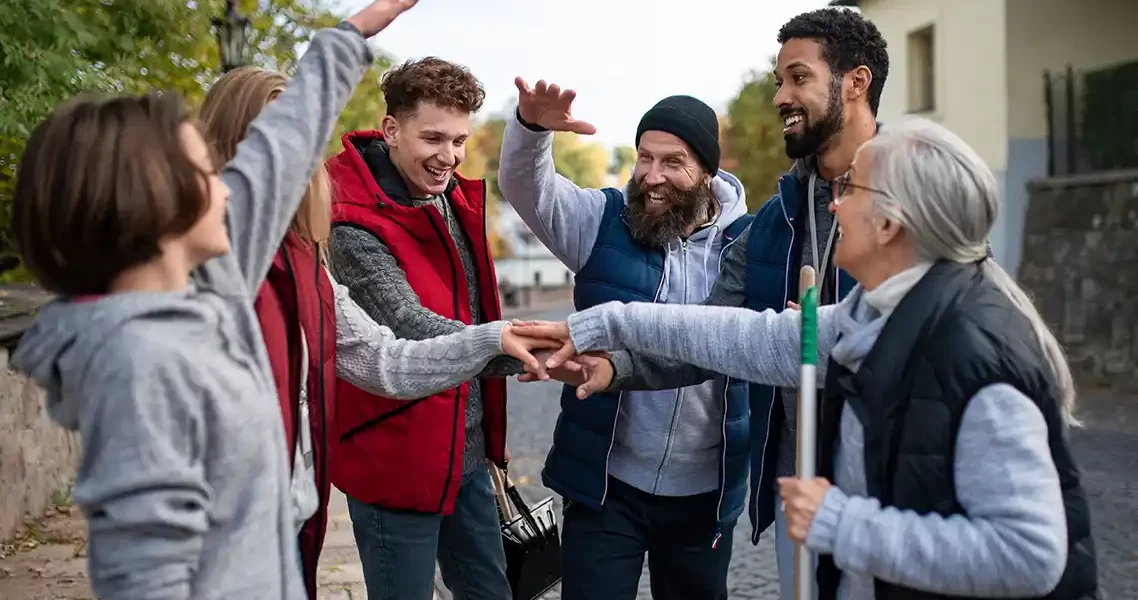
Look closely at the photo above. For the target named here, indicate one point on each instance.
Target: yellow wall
(970, 66)
(1050, 34)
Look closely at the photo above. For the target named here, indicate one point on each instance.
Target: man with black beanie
(662, 473)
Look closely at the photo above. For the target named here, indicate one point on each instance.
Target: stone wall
(37, 457)
(1080, 265)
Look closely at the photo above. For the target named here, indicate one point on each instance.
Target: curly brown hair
(431, 79)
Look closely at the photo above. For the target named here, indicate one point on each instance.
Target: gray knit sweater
(362, 263)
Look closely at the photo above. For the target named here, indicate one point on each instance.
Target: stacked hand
(559, 360)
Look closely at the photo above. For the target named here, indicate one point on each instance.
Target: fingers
(528, 377)
(566, 352)
(582, 127)
(793, 305)
(540, 87)
(556, 331)
(523, 87)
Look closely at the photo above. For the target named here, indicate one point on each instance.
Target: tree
(51, 50)
(582, 163)
(623, 158)
(752, 142)
(483, 153)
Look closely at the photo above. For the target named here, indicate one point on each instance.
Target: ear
(888, 231)
(859, 80)
(390, 128)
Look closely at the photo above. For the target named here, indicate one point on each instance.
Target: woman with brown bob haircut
(309, 321)
(153, 352)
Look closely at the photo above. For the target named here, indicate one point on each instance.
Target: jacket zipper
(679, 391)
(458, 389)
(486, 255)
(323, 482)
(774, 390)
(303, 368)
(620, 398)
(723, 458)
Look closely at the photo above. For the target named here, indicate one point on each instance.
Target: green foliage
(623, 158)
(1109, 118)
(582, 163)
(51, 50)
(753, 147)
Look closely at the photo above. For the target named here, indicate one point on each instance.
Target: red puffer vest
(295, 294)
(393, 453)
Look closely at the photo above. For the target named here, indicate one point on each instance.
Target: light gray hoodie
(184, 476)
(668, 442)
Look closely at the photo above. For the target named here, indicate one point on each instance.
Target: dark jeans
(398, 549)
(603, 552)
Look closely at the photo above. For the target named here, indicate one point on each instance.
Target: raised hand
(548, 106)
(376, 16)
(521, 347)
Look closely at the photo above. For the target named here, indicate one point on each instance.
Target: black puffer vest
(954, 333)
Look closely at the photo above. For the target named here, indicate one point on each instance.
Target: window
(922, 73)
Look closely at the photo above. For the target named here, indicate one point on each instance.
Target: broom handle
(804, 581)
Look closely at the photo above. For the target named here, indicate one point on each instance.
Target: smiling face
(809, 98)
(427, 146)
(670, 193)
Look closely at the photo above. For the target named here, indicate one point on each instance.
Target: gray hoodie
(184, 476)
(668, 442)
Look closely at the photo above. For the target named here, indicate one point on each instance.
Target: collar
(377, 157)
(885, 297)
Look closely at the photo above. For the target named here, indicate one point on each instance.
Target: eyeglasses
(842, 186)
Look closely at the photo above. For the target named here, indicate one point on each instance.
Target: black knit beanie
(690, 120)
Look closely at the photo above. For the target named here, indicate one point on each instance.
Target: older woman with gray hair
(946, 401)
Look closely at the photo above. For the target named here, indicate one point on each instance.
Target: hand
(548, 107)
(550, 330)
(521, 347)
(792, 305)
(376, 16)
(800, 500)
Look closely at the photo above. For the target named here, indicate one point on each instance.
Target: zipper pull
(718, 536)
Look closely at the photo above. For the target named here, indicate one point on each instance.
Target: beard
(686, 209)
(815, 135)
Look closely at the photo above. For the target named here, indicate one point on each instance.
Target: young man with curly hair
(831, 70)
(409, 242)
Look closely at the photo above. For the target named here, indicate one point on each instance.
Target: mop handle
(807, 419)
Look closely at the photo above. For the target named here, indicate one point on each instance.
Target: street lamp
(232, 33)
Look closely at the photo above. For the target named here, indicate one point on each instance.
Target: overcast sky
(621, 56)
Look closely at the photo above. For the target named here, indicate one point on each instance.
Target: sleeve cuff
(588, 329)
(622, 370)
(490, 337)
(527, 124)
(824, 528)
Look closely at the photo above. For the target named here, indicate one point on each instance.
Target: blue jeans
(602, 552)
(398, 549)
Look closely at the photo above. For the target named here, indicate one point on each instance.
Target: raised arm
(144, 488)
(284, 144)
(377, 283)
(762, 347)
(566, 218)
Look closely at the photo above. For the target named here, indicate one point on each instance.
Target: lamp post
(232, 34)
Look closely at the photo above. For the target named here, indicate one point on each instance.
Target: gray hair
(943, 193)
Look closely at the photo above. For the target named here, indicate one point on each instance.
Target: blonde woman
(314, 332)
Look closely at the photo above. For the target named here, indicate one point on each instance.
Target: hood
(732, 197)
(68, 334)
